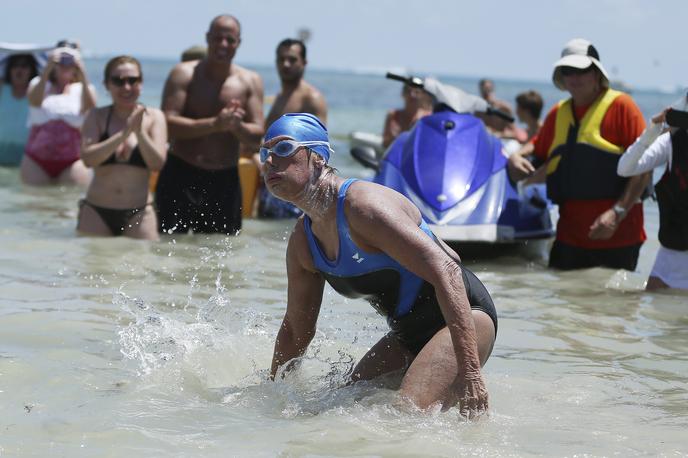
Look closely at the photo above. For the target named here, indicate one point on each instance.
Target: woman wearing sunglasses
(59, 100)
(367, 241)
(123, 143)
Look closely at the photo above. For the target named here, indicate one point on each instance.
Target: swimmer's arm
(392, 230)
(94, 152)
(153, 140)
(251, 129)
(173, 101)
(304, 297)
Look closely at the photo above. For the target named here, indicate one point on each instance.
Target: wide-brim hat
(578, 53)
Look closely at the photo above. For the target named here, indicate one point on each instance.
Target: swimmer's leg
(385, 357)
(430, 378)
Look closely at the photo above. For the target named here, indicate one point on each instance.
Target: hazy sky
(502, 39)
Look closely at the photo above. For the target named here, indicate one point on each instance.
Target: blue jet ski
(455, 172)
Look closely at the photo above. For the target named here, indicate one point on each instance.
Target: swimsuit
(407, 301)
(116, 219)
(135, 159)
(190, 198)
(55, 137)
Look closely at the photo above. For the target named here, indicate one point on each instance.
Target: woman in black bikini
(123, 143)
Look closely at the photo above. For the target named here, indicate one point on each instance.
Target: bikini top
(387, 285)
(135, 159)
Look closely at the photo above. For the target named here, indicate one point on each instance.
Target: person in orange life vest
(580, 143)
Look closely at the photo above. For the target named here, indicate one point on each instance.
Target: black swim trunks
(204, 201)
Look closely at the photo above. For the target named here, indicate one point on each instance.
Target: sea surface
(117, 347)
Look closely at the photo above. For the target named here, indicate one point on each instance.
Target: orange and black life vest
(582, 164)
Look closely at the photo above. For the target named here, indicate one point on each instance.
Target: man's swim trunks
(191, 198)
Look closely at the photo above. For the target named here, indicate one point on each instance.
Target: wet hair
(289, 42)
(531, 101)
(327, 168)
(15, 59)
(119, 60)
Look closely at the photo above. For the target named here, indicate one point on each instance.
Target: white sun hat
(578, 53)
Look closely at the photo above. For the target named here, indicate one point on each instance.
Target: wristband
(620, 211)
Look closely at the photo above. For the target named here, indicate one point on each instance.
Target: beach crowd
(176, 170)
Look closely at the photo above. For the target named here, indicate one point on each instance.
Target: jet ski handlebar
(500, 114)
(451, 97)
(413, 81)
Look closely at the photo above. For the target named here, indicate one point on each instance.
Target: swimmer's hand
(472, 394)
(605, 225)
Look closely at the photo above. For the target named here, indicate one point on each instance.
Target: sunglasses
(571, 71)
(286, 148)
(120, 81)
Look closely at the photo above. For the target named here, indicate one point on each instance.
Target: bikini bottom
(116, 219)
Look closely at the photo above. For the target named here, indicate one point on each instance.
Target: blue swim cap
(302, 127)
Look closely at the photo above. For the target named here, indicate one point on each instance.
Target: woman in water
(14, 107)
(123, 143)
(370, 242)
(59, 100)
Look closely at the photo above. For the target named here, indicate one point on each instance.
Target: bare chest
(206, 98)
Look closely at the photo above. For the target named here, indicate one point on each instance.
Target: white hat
(578, 53)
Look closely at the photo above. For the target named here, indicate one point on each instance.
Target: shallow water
(116, 347)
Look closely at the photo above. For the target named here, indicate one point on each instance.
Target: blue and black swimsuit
(407, 301)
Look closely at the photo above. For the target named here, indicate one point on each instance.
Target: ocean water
(118, 347)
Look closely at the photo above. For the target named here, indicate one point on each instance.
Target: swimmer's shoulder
(298, 249)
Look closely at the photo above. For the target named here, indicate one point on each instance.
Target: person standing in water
(296, 96)
(211, 105)
(59, 99)
(417, 103)
(368, 241)
(123, 143)
(581, 141)
(20, 69)
(670, 149)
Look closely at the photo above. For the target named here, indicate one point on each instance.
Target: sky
(515, 40)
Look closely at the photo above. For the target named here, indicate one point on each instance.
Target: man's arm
(248, 124)
(608, 222)
(173, 101)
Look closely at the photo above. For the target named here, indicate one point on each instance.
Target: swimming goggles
(286, 148)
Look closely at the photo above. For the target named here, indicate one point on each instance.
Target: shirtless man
(211, 105)
(296, 96)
